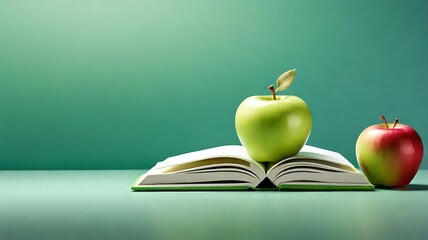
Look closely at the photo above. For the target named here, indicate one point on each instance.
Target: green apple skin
(271, 130)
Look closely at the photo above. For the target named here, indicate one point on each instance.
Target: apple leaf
(285, 80)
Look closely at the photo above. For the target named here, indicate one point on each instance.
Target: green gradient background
(123, 84)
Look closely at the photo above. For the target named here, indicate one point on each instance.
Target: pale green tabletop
(100, 205)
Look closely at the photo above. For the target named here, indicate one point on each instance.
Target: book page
(222, 152)
(323, 154)
(227, 165)
(315, 153)
(314, 166)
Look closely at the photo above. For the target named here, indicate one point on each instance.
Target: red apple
(389, 154)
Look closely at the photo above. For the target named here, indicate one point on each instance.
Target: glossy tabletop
(100, 205)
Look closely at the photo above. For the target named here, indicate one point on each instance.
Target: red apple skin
(389, 157)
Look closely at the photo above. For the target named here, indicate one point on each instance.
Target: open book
(231, 168)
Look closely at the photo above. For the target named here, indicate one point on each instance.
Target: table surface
(100, 205)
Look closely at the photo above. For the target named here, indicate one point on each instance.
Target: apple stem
(395, 123)
(272, 89)
(384, 120)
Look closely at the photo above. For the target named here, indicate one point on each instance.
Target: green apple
(272, 128)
